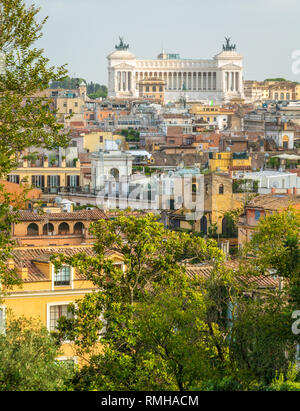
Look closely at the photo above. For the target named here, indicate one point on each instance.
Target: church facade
(219, 79)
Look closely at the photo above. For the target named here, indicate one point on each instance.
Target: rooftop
(87, 215)
(275, 201)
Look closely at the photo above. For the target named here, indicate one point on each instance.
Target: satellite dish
(58, 200)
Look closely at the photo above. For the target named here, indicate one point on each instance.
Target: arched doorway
(115, 173)
(32, 230)
(285, 142)
(203, 225)
(229, 230)
(48, 229)
(79, 228)
(63, 229)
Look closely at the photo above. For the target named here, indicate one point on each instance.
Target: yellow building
(218, 200)
(271, 90)
(212, 115)
(95, 141)
(46, 293)
(226, 160)
(284, 90)
(152, 88)
(46, 176)
(256, 90)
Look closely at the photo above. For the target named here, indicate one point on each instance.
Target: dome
(121, 55)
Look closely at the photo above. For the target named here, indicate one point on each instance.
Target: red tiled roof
(88, 215)
(204, 270)
(26, 257)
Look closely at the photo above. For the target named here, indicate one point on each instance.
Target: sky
(82, 33)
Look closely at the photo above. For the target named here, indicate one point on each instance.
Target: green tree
(163, 328)
(25, 119)
(262, 338)
(147, 310)
(28, 359)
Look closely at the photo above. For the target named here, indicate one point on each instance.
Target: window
(14, 179)
(55, 313)
(257, 215)
(62, 276)
(72, 181)
(48, 229)
(63, 229)
(2, 320)
(101, 139)
(154, 88)
(160, 88)
(79, 228)
(71, 361)
(221, 189)
(32, 230)
(38, 181)
(76, 104)
(53, 181)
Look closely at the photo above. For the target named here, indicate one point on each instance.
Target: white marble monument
(219, 79)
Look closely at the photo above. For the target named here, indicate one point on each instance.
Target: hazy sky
(82, 33)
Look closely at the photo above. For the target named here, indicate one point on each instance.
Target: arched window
(63, 229)
(281, 96)
(115, 173)
(48, 229)
(32, 230)
(79, 228)
(221, 189)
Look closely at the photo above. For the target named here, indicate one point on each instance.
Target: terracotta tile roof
(204, 270)
(274, 201)
(88, 215)
(26, 257)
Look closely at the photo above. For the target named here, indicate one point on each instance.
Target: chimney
(273, 190)
(295, 191)
(289, 191)
(23, 271)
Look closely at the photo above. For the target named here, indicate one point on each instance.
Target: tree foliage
(161, 328)
(28, 359)
(26, 118)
